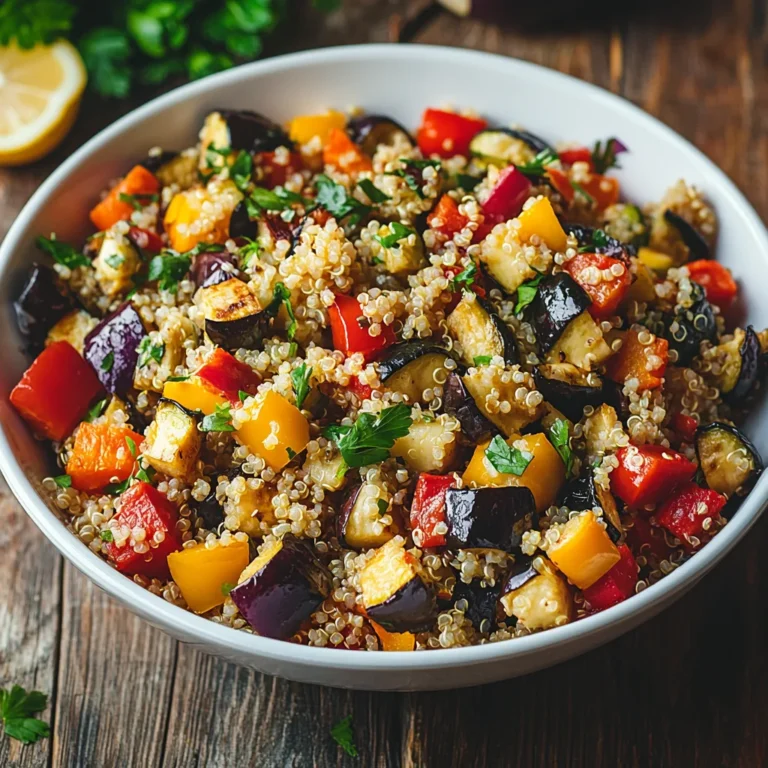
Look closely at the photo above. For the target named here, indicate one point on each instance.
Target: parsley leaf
(219, 421)
(599, 240)
(343, 735)
(504, 458)
(479, 360)
(241, 170)
(62, 253)
(277, 199)
(583, 192)
(465, 278)
(373, 192)
(107, 536)
(246, 252)
(114, 260)
(300, 377)
(538, 166)
(131, 443)
(149, 351)
(29, 22)
(118, 488)
(242, 395)
(16, 710)
(335, 199)
(604, 156)
(370, 438)
(526, 293)
(413, 173)
(96, 410)
(282, 296)
(226, 588)
(108, 361)
(63, 481)
(145, 474)
(137, 202)
(177, 378)
(168, 268)
(467, 182)
(559, 435)
(106, 52)
(398, 232)
(383, 506)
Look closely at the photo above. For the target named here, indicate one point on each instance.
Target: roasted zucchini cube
(728, 459)
(537, 596)
(233, 316)
(412, 367)
(581, 344)
(428, 447)
(480, 331)
(117, 263)
(359, 523)
(406, 255)
(172, 442)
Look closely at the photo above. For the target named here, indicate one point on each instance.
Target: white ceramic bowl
(399, 81)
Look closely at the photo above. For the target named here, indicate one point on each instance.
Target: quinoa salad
(345, 385)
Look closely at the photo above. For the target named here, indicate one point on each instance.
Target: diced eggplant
(608, 245)
(581, 344)
(233, 315)
(459, 403)
(480, 331)
(213, 267)
(506, 265)
(73, 327)
(43, 301)
(112, 348)
(411, 367)
(478, 603)
(488, 518)
(326, 469)
(583, 493)
(281, 588)
(420, 447)
(542, 600)
(503, 145)
(368, 131)
(730, 462)
(689, 327)
(358, 525)
(521, 572)
(558, 302)
(569, 388)
(741, 366)
(210, 509)
(172, 443)
(696, 243)
(243, 129)
(117, 263)
(394, 592)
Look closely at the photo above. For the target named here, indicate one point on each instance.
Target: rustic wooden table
(688, 688)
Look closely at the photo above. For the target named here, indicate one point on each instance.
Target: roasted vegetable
(741, 365)
(691, 514)
(609, 290)
(583, 493)
(540, 220)
(459, 403)
(480, 331)
(616, 585)
(303, 128)
(558, 302)
(412, 367)
(394, 592)
(697, 245)
(447, 133)
(428, 509)
(233, 315)
(55, 391)
(689, 327)
(368, 131)
(537, 595)
(717, 281)
(195, 395)
(350, 329)
(428, 447)
(138, 184)
(74, 327)
(117, 263)
(478, 603)
(358, 525)
(279, 590)
(488, 518)
(646, 362)
(173, 441)
(228, 375)
(242, 129)
(730, 462)
(202, 573)
(502, 146)
(569, 388)
(112, 348)
(406, 254)
(43, 301)
(581, 344)
(507, 197)
(213, 267)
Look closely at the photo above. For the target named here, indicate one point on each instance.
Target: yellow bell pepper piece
(540, 219)
(275, 427)
(201, 573)
(304, 128)
(584, 552)
(642, 289)
(543, 476)
(194, 395)
(655, 260)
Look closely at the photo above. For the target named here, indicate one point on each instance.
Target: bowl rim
(164, 614)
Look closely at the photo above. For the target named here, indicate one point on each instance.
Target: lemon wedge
(40, 92)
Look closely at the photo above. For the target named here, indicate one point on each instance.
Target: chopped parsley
(467, 182)
(16, 709)
(219, 421)
(559, 435)
(604, 155)
(241, 170)
(583, 192)
(96, 410)
(168, 268)
(383, 506)
(277, 199)
(216, 156)
(118, 488)
(291, 453)
(373, 192)
(526, 293)
(243, 396)
(538, 165)
(300, 377)
(599, 240)
(413, 173)
(114, 260)
(248, 251)
(226, 588)
(343, 735)
(107, 536)
(281, 296)
(149, 351)
(398, 232)
(177, 378)
(479, 360)
(108, 361)
(145, 474)
(137, 202)
(131, 443)
(62, 253)
(507, 459)
(370, 438)
(63, 481)
(465, 278)
(335, 199)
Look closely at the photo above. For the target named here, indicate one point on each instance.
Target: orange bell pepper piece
(137, 182)
(394, 641)
(340, 152)
(445, 217)
(590, 271)
(632, 360)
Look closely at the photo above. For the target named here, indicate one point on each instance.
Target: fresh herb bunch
(128, 41)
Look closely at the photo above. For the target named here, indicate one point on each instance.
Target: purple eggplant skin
(459, 403)
(240, 224)
(693, 325)
(697, 245)
(751, 369)
(536, 143)
(580, 493)
(486, 517)
(346, 510)
(207, 269)
(613, 247)
(368, 131)
(569, 399)
(253, 132)
(43, 301)
(112, 349)
(281, 596)
(481, 603)
(519, 575)
(412, 608)
(153, 163)
(559, 300)
(246, 332)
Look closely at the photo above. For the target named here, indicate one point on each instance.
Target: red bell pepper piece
(648, 473)
(685, 426)
(447, 133)
(648, 540)
(55, 391)
(685, 515)
(594, 273)
(632, 360)
(274, 174)
(715, 279)
(604, 190)
(145, 239)
(445, 217)
(428, 507)
(506, 200)
(577, 155)
(143, 507)
(349, 335)
(616, 585)
(228, 374)
(356, 387)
